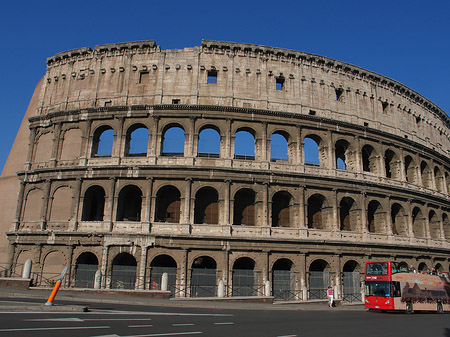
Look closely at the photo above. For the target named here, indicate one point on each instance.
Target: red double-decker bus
(389, 287)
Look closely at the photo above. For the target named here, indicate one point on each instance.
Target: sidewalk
(81, 299)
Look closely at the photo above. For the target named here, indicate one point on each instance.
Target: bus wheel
(440, 309)
(409, 308)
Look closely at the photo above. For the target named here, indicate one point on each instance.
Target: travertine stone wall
(391, 201)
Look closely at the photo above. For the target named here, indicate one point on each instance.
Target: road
(119, 320)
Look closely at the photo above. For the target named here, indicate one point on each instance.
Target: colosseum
(231, 169)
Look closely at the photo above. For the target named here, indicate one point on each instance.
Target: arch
(33, 205)
(418, 221)
(439, 179)
(44, 148)
(71, 146)
(316, 217)
(399, 220)
(22, 257)
(438, 268)
(206, 209)
(402, 267)
(376, 217)
(86, 266)
(244, 280)
(281, 205)
(342, 154)
(53, 265)
(244, 144)
(283, 280)
(61, 205)
(351, 280)
(279, 146)
(447, 181)
(312, 146)
(319, 279)
(168, 202)
(203, 277)
(446, 225)
(163, 264)
(348, 214)
(129, 204)
(136, 141)
(244, 207)
(369, 159)
(392, 165)
(410, 170)
(423, 267)
(93, 204)
(435, 225)
(123, 271)
(173, 141)
(427, 176)
(103, 140)
(209, 142)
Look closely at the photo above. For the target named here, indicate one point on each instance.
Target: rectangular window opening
(212, 77)
(312, 112)
(279, 83)
(176, 101)
(143, 76)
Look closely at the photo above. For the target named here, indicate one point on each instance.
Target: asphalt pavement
(78, 300)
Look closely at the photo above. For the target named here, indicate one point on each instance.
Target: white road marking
(68, 319)
(182, 324)
(288, 336)
(114, 312)
(56, 328)
(141, 326)
(168, 334)
(224, 323)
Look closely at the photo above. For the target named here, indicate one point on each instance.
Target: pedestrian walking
(330, 296)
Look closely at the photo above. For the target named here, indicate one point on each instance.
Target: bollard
(164, 281)
(267, 288)
(98, 279)
(26, 272)
(56, 288)
(221, 289)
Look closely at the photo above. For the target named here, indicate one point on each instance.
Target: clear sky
(406, 40)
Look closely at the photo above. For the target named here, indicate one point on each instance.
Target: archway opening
(85, 268)
(163, 264)
(168, 205)
(129, 204)
(93, 204)
(281, 209)
(123, 271)
(203, 277)
(319, 279)
(283, 280)
(244, 281)
(244, 207)
(206, 210)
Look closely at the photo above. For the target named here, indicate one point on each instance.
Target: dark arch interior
(204, 262)
(244, 263)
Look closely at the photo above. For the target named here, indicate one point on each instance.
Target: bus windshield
(378, 288)
(377, 268)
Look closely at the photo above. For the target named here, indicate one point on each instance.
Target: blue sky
(408, 41)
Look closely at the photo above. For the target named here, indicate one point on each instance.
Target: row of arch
(353, 214)
(205, 275)
(210, 142)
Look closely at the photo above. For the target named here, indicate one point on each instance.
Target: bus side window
(396, 289)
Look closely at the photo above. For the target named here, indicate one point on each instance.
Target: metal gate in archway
(351, 287)
(156, 274)
(85, 275)
(283, 285)
(318, 285)
(245, 283)
(203, 283)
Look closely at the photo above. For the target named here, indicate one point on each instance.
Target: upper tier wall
(248, 76)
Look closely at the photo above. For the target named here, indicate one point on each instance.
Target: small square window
(176, 101)
(144, 76)
(212, 77)
(279, 83)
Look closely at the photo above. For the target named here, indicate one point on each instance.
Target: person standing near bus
(330, 296)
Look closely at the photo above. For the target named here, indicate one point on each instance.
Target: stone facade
(254, 223)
